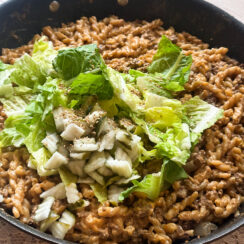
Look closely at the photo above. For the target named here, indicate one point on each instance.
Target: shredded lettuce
(34, 87)
(30, 116)
(34, 138)
(171, 172)
(50, 96)
(150, 186)
(149, 83)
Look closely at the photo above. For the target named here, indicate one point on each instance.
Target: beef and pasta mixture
(194, 206)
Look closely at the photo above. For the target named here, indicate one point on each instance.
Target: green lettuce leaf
(50, 96)
(175, 144)
(172, 172)
(201, 115)
(20, 121)
(43, 54)
(154, 100)
(14, 105)
(27, 124)
(123, 92)
(11, 137)
(30, 71)
(153, 133)
(168, 72)
(73, 61)
(172, 64)
(153, 184)
(16, 128)
(92, 84)
(34, 138)
(27, 72)
(162, 112)
(22, 90)
(6, 88)
(162, 117)
(151, 84)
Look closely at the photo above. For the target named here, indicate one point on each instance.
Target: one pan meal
(121, 132)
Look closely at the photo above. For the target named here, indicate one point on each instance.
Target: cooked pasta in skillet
(160, 178)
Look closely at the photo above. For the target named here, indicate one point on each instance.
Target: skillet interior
(25, 18)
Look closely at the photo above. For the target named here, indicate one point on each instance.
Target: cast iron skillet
(24, 18)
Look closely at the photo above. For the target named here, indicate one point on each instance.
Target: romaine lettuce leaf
(149, 83)
(153, 184)
(153, 133)
(172, 172)
(20, 121)
(34, 138)
(43, 54)
(6, 88)
(73, 61)
(22, 90)
(162, 117)
(11, 137)
(50, 96)
(168, 72)
(92, 84)
(15, 105)
(175, 144)
(146, 154)
(172, 64)
(110, 106)
(201, 114)
(16, 127)
(154, 100)
(122, 91)
(27, 72)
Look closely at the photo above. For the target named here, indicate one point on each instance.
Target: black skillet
(24, 18)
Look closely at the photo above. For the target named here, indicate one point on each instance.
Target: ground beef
(214, 189)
